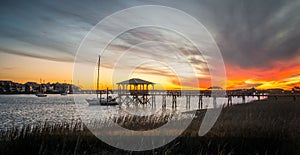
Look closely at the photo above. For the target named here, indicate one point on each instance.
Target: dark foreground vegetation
(261, 127)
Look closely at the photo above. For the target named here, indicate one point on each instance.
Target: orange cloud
(282, 74)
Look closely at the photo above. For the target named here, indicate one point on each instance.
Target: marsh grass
(142, 123)
(260, 127)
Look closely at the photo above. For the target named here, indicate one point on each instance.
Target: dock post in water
(188, 101)
(200, 102)
(164, 102)
(244, 99)
(215, 101)
(119, 99)
(229, 103)
(153, 101)
(174, 101)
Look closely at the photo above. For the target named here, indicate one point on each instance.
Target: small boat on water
(108, 101)
(41, 95)
(40, 92)
(64, 93)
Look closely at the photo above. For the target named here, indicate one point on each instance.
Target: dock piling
(174, 101)
(229, 103)
(214, 101)
(164, 102)
(188, 101)
(200, 102)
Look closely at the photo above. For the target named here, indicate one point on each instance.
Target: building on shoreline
(10, 87)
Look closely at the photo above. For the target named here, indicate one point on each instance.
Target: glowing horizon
(285, 80)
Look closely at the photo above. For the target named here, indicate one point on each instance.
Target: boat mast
(40, 85)
(98, 77)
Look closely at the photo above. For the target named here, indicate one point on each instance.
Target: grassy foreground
(261, 127)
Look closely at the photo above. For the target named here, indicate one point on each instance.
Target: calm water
(20, 110)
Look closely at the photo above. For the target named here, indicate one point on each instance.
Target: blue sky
(47, 28)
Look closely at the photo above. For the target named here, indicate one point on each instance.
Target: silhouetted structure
(135, 90)
(135, 86)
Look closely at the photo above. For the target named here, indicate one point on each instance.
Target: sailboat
(64, 93)
(109, 100)
(40, 93)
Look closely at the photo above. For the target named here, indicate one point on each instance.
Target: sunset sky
(258, 40)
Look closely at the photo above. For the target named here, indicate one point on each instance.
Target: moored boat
(108, 101)
(40, 92)
(103, 101)
(64, 93)
(41, 95)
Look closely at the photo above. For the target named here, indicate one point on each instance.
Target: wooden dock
(149, 98)
(137, 92)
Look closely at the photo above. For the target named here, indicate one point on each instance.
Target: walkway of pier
(137, 92)
(149, 98)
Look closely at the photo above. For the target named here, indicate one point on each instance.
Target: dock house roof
(135, 81)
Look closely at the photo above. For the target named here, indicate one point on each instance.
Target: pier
(141, 92)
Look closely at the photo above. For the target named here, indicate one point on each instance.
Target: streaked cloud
(157, 52)
(259, 40)
(7, 68)
(250, 33)
(255, 33)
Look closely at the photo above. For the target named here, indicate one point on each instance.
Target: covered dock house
(135, 86)
(135, 90)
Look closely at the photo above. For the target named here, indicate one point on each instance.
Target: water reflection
(19, 110)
